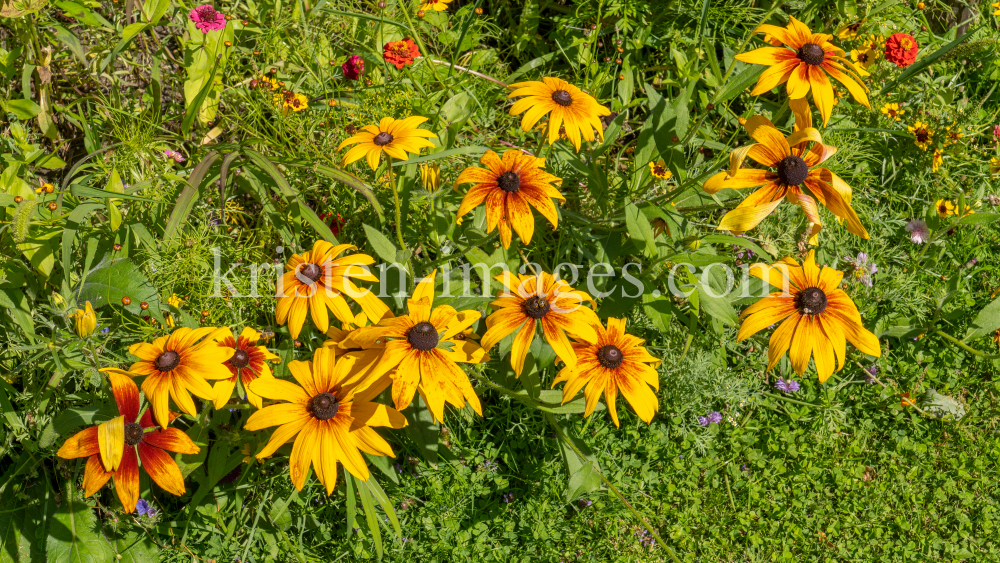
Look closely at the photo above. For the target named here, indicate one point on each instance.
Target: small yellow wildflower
(893, 111)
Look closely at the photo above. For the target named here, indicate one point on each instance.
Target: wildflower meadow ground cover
(499, 280)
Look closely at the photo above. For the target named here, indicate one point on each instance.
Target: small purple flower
(507, 497)
(353, 68)
(919, 233)
(790, 386)
(713, 417)
(584, 503)
(864, 268)
(206, 19)
(143, 508)
(870, 373)
(174, 155)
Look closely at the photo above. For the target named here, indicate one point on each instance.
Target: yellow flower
(178, 365)
(995, 167)
(805, 64)
(430, 176)
(247, 453)
(997, 6)
(817, 317)
(952, 137)
(84, 321)
(863, 57)
(316, 281)
(659, 170)
(922, 135)
(421, 347)
(329, 415)
(944, 208)
(875, 44)
(615, 362)
(391, 136)
(436, 5)
(510, 188)
(893, 111)
(566, 105)
(996, 337)
(529, 301)
(249, 362)
(936, 160)
(795, 164)
(850, 31)
(175, 302)
(970, 210)
(271, 83)
(291, 102)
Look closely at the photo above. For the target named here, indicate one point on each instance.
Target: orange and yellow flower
(944, 208)
(394, 137)
(436, 5)
(178, 366)
(115, 448)
(566, 105)
(529, 301)
(329, 414)
(249, 362)
(510, 188)
(659, 170)
(317, 281)
(922, 134)
(805, 63)
(893, 111)
(615, 362)
(795, 163)
(817, 318)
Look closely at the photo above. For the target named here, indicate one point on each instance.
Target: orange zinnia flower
(510, 188)
(178, 365)
(115, 448)
(316, 281)
(795, 165)
(400, 53)
(249, 362)
(805, 64)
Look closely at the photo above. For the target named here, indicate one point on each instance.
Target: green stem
(965, 346)
(642, 520)
(399, 217)
(514, 394)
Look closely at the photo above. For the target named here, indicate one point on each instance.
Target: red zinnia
(901, 49)
(400, 53)
(353, 68)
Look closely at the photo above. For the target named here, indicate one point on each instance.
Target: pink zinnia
(207, 19)
(996, 132)
(354, 67)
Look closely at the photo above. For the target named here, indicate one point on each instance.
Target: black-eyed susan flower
(317, 281)
(84, 321)
(805, 63)
(436, 5)
(394, 137)
(893, 111)
(850, 31)
(249, 362)
(995, 167)
(922, 134)
(566, 105)
(796, 177)
(944, 208)
(115, 448)
(862, 57)
(421, 347)
(510, 188)
(615, 362)
(659, 170)
(937, 160)
(330, 416)
(179, 365)
(291, 102)
(528, 301)
(817, 318)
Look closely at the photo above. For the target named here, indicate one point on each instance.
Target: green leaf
(280, 513)
(86, 191)
(23, 109)
(186, 199)
(128, 34)
(192, 110)
(740, 241)
(979, 219)
(583, 473)
(659, 309)
(987, 321)
(736, 84)
(639, 228)
(111, 280)
(422, 429)
(135, 547)
(370, 515)
(71, 42)
(74, 535)
(381, 243)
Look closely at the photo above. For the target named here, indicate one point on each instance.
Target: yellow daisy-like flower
(922, 134)
(944, 208)
(805, 64)
(817, 318)
(430, 177)
(995, 167)
(436, 5)
(795, 163)
(173, 301)
(659, 170)
(875, 44)
(566, 105)
(850, 31)
(893, 111)
(937, 160)
(510, 188)
(952, 137)
(394, 137)
(317, 281)
(422, 349)
(328, 414)
(249, 362)
(997, 6)
(615, 362)
(84, 321)
(178, 366)
(970, 209)
(863, 57)
(529, 301)
(291, 102)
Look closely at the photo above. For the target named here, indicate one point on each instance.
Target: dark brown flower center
(310, 272)
(324, 406)
(659, 170)
(382, 139)
(792, 170)
(167, 361)
(535, 307)
(812, 301)
(811, 54)
(423, 336)
(133, 433)
(240, 359)
(921, 134)
(610, 356)
(509, 182)
(562, 98)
